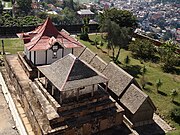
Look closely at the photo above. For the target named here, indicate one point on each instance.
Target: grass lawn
(12, 45)
(161, 100)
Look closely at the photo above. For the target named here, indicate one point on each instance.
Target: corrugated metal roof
(43, 37)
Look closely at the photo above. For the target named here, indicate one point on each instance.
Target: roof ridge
(144, 94)
(74, 59)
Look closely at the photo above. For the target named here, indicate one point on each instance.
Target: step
(46, 107)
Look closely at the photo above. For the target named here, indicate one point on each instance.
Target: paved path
(6, 120)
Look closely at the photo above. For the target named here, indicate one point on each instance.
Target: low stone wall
(30, 71)
(21, 89)
(51, 100)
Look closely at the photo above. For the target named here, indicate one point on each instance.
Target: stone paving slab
(6, 120)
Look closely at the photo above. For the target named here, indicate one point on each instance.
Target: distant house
(46, 44)
(85, 13)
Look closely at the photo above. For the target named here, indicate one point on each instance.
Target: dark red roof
(44, 36)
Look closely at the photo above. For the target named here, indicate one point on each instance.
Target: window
(55, 48)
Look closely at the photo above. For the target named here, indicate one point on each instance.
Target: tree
(120, 39)
(69, 4)
(169, 55)
(85, 29)
(127, 60)
(25, 6)
(173, 94)
(117, 36)
(123, 18)
(175, 114)
(119, 25)
(143, 81)
(144, 70)
(142, 48)
(158, 84)
(1, 7)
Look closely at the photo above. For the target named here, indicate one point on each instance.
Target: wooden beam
(106, 86)
(52, 90)
(38, 74)
(60, 97)
(46, 82)
(92, 92)
(77, 94)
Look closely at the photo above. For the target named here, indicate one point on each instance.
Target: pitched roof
(118, 78)
(98, 63)
(133, 98)
(43, 37)
(85, 12)
(70, 73)
(87, 55)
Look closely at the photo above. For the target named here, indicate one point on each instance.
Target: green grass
(12, 45)
(154, 72)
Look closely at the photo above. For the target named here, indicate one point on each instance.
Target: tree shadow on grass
(149, 83)
(161, 93)
(172, 70)
(176, 103)
(134, 70)
(101, 49)
(147, 89)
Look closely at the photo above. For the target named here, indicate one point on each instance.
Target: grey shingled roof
(133, 98)
(118, 78)
(98, 63)
(87, 55)
(78, 51)
(70, 73)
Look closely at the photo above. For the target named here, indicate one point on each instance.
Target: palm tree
(173, 94)
(158, 84)
(121, 39)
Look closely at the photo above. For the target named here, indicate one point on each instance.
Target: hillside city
(156, 19)
(89, 67)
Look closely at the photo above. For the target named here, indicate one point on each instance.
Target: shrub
(84, 36)
(175, 114)
(142, 48)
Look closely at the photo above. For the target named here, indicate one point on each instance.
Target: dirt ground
(6, 121)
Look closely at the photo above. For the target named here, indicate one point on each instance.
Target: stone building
(139, 108)
(77, 93)
(85, 107)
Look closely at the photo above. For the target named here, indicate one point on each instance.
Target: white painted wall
(67, 51)
(32, 56)
(49, 56)
(27, 53)
(40, 57)
(59, 53)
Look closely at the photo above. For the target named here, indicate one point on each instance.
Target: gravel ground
(6, 120)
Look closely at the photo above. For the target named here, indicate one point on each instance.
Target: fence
(11, 31)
